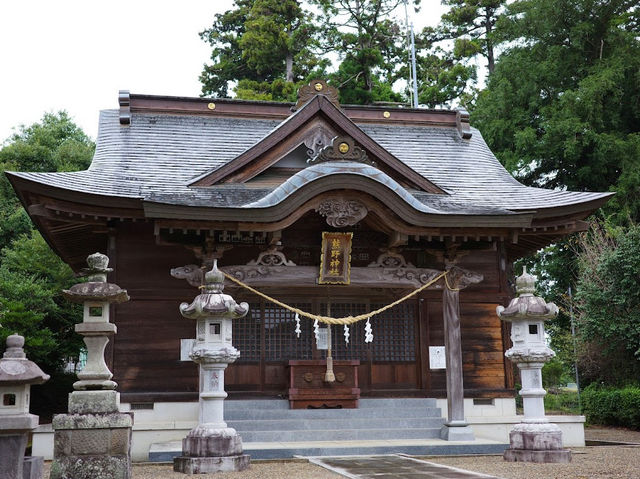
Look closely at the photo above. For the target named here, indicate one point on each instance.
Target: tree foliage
(260, 41)
(31, 275)
(608, 300)
(555, 110)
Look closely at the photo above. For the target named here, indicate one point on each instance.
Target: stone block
(62, 443)
(120, 441)
(32, 467)
(212, 446)
(18, 422)
(90, 441)
(536, 441)
(91, 467)
(208, 465)
(12, 448)
(92, 421)
(93, 402)
(545, 456)
(456, 433)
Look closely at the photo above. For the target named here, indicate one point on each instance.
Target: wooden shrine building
(176, 182)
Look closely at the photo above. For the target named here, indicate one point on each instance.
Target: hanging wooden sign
(335, 259)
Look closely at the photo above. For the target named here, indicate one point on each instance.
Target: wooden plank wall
(146, 349)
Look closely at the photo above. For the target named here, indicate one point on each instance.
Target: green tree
(608, 303)
(371, 46)
(258, 42)
(31, 275)
(555, 110)
(470, 24)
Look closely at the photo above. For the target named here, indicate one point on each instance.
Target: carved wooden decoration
(271, 257)
(342, 148)
(316, 87)
(390, 258)
(191, 272)
(341, 212)
(317, 139)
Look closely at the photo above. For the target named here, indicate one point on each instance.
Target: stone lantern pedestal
(212, 446)
(17, 374)
(93, 441)
(535, 439)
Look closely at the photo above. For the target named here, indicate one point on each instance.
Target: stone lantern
(95, 435)
(17, 374)
(212, 446)
(535, 439)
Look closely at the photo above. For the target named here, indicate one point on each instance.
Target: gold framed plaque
(335, 258)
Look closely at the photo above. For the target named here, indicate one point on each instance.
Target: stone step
(396, 402)
(338, 434)
(369, 412)
(333, 423)
(241, 404)
(165, 452)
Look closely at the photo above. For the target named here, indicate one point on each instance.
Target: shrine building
(409, 193)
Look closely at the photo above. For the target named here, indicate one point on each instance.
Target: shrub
(612, 406)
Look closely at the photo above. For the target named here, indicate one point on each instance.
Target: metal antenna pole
(409, 68)
(575, 354)
(413, 67)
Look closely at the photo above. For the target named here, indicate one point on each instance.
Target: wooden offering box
(307, 388)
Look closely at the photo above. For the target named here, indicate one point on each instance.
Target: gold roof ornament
(316, 87)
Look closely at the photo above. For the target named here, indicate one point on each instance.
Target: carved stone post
(17, 374)
(94, 439)
(212, 446)
(535, 439)
(456, 428)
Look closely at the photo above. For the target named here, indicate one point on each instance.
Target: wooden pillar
(456, 428)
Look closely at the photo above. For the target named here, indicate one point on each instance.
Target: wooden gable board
(291, 133)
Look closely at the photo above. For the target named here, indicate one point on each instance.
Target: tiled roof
(158, 155)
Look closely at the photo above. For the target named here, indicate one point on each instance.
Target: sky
(75, 55)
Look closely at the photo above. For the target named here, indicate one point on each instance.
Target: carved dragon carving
(340, 212)
(461, 278)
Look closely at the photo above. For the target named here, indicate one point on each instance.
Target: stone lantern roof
(96, 288)
(15, 368)
(526, 305)
(213, 303)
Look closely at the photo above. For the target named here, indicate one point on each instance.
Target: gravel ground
(616, 462)
(296, 469)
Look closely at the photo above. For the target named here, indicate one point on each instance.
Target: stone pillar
(535, 439)
(212, 446)
(17, 374)
(93, 441)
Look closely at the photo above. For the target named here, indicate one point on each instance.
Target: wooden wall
(146, 350)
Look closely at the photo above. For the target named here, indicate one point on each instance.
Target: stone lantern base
(531, 442)
(207, 450)
(92, 445)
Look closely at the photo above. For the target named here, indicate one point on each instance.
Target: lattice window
(246, 334)
(394, 333)
(280, 341)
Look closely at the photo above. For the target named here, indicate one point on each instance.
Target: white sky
(75, 55)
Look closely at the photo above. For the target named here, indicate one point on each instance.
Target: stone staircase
(269, 430)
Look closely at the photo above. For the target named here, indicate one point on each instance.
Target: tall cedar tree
(371, 45)
(470, 24)
(556, 111)
(260, 42)
(557, 107)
